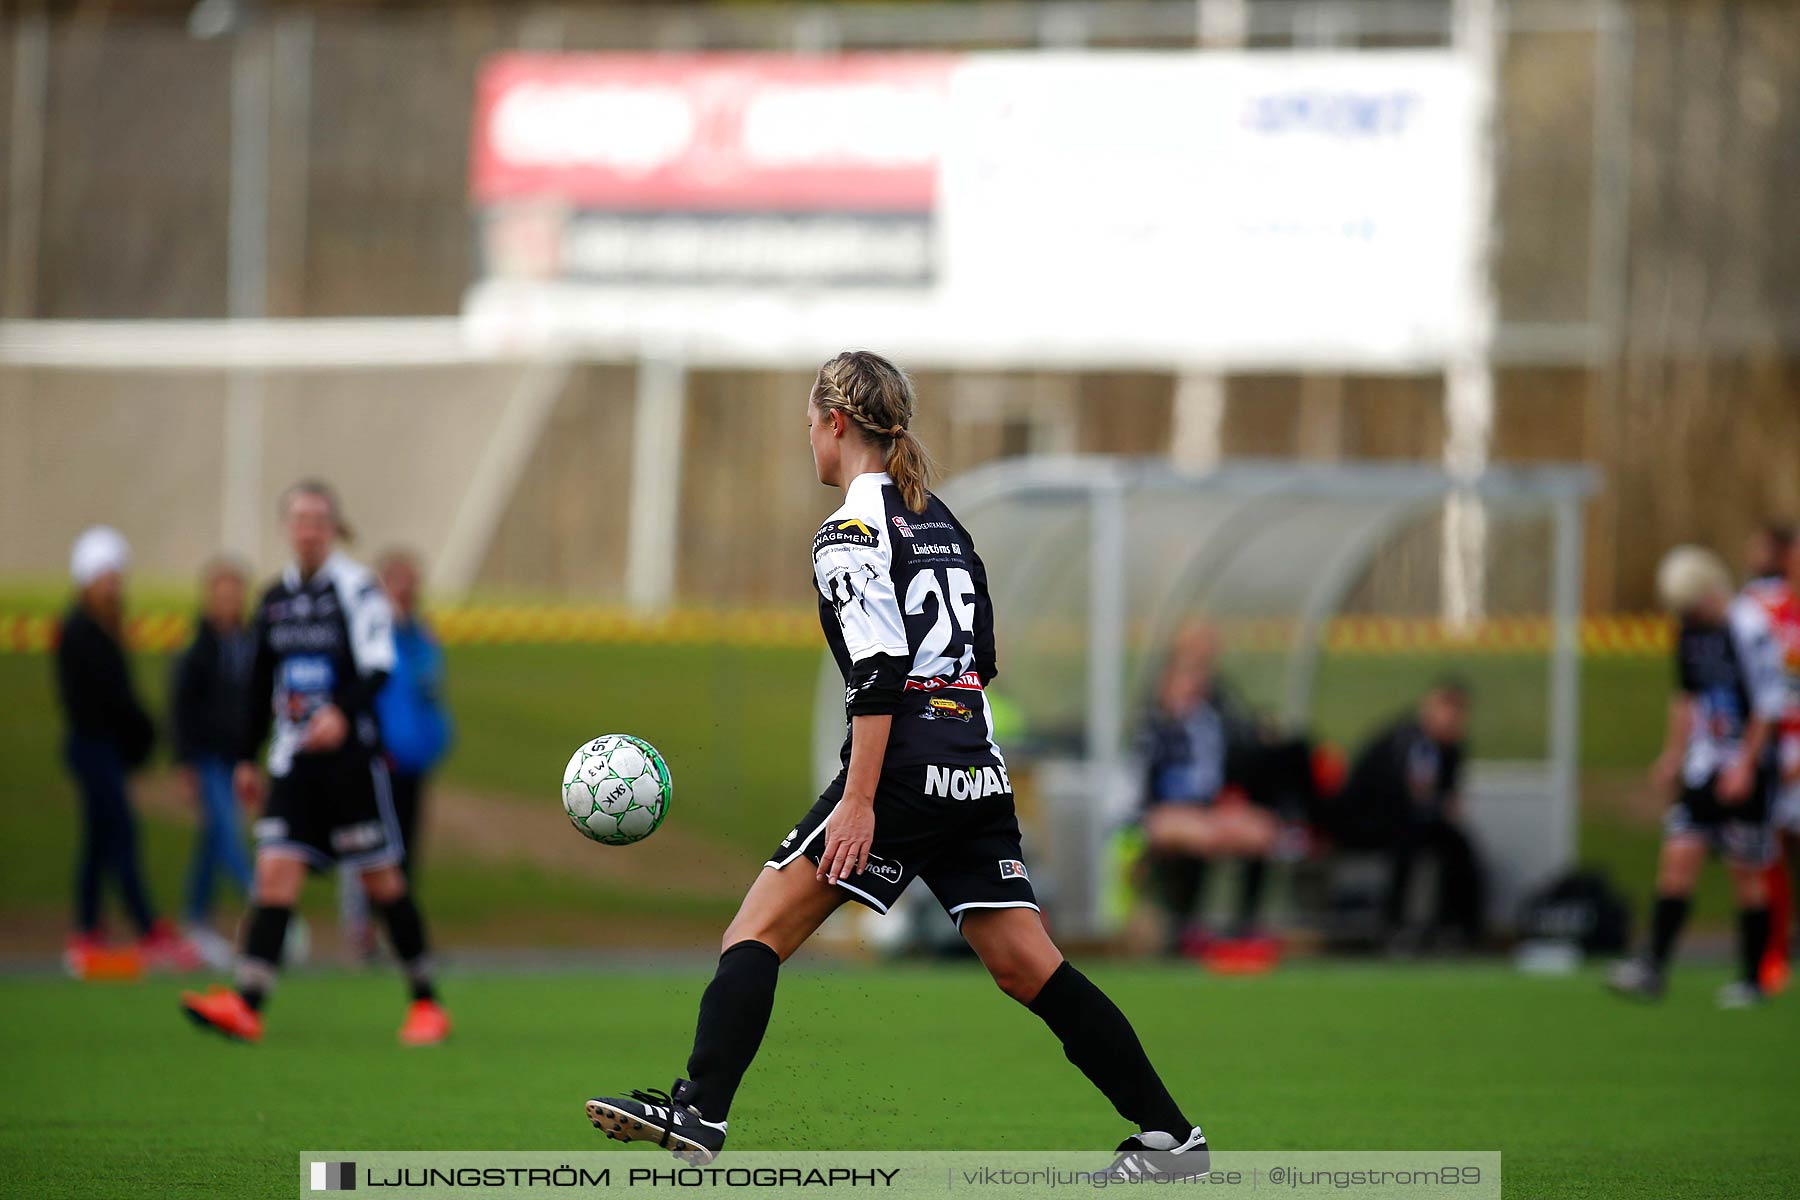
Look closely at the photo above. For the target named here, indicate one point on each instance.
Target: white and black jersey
(1729, 673)
(328, 638)
(904, 604)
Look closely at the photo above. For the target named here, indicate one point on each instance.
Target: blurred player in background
(208, 709)
(1718, 759)
(924, 793)
(415, 732)
(1766, 558)
(1779, 597)
(108, 734)
(324, 648)
(1195, 737)
(1407, 781)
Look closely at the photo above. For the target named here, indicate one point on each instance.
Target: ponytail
(911, 466)
(878, 398)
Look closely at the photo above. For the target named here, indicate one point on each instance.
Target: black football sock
(1753, 939)
(1666, 920)
(1098, 1039)
(406, 930)
(734, 1015)
(1250, 893)
(261, 956)
(1183, 882)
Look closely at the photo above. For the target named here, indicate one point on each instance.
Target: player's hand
(1665, 769)
(190, 782)
(1735, 780)
(849, 832)
(247, 782)
(326, 729)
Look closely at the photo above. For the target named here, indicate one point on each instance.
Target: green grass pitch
(110, 1093)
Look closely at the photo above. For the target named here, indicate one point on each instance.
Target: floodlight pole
(1609, 243)
(1469, 373)
(1565, 675)
(25, 162)
(1106, 693)
(1197, 440)
(1198, 437)
(1221, 22)
(1106, 622)
(23, 201)
(247, 287)
(656, 428)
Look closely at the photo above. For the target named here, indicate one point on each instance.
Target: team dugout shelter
(1321, 580)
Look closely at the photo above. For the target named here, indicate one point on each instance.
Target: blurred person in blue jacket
(210, 697)
(415, 728)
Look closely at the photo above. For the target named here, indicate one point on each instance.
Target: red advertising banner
(703, 133)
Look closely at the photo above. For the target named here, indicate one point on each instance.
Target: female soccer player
(324, 638)
(1719, 759)
(924, 793)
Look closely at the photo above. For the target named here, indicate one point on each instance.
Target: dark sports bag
(1581, 907)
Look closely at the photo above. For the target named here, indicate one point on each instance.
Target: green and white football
(616, 789)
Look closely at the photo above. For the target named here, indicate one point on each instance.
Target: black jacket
(94, 685)
(209, 705)
(1401, 777)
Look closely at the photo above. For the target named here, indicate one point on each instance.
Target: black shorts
(1742, 834)
(331, 809)
(966, 850)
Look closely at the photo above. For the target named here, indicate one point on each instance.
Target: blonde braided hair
(877, 397)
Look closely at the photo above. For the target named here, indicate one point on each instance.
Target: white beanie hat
(97, 551)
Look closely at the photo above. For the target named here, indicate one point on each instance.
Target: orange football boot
(427, 1024)
(1775, 969)
(223, 1010)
